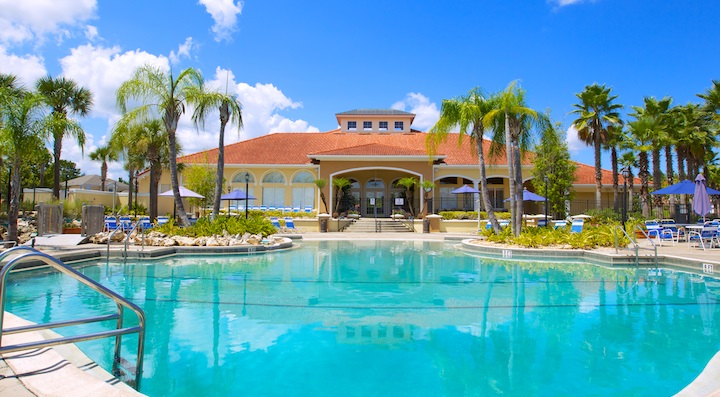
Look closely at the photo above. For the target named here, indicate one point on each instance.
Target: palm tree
(615, 138)
(340, 184)
(65, 98)
(321, 183)
(162, 95)
(230, 110)
(22, 129)
(150, 141)
(467, 112)
(104, 154)
(518, 120)
(628, 161)
(596, 111)
(642, 131)
(409, 184)
(426, 186)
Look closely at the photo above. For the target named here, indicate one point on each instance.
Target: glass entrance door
(374, 203)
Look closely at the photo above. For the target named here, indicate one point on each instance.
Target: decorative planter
(639, 234)
(71, 230)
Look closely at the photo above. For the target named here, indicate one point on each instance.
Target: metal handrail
(119, 366)
(110, 239)
(635, 244)
(127, 240)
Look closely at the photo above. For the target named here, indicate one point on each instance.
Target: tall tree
(22, 129)
(409, 184)
(518, 119)
(103, 154)
(151, 141)
(596, 111)
(466, 113)
(340, 184)
(552, 161)
(65, 98)
(230, 109)
(321, 183)
(642, 131)
(162, 95)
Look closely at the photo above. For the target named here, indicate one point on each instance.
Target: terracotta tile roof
(373, 149)
(289, 148)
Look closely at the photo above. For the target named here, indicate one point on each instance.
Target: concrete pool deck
(56, 371)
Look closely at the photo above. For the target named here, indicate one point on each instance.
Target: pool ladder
(121, 368)
(636, 246)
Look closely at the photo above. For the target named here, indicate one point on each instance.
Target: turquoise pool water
(395, 319)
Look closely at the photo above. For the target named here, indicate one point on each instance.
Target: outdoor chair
(263, 208)
(110, 224)
(275, 222)
(559, 224)
(577, 226)
(287, 209)
(709, 234)
(161, 220)
(290, 225)
(126, 223)
(296, 209)
(145, 223)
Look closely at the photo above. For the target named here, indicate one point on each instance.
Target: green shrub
(535, 237)
(256, 223)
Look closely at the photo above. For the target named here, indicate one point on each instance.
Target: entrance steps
(385, 225)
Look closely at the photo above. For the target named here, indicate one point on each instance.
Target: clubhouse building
(373, 148)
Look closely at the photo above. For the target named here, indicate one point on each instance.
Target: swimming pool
(395, 318)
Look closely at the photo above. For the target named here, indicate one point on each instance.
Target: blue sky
(295, 64)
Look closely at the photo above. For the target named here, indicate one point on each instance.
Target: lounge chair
(263, 208)
(290, 224)
(308, 208)
(161, 220)
(145, 223)
(559, 224)
(577, 226)
(296, 209)
(287, 209)
(126, 223)
(541, 223)
(110, 224)
(275, 222)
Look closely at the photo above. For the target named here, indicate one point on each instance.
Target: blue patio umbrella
(701, 200)
(465, 189)
(530, 196)
(236, 195)
(683, 187)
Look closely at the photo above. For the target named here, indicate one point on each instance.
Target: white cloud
(28, 68)
(260, 103)
(426, 113)
(575, 145)
(32, 19)
(183, 50)
(103, 69)
(91, 32)
(224, 13)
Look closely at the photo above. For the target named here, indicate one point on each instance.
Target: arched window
(375, 184)
(303, 177)
(240, 177)
(273, 177)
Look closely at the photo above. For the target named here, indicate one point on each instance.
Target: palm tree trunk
(103, 175)
(670, 174)
(14, 201)
(224, 117)
(171, 121)
(616, 182)
(484, 193)
(131, 188)
(57, 149)
(517, 159)
(322, 197)
(644, 188)
(511, 170)
(155, 175)
(598, 166)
